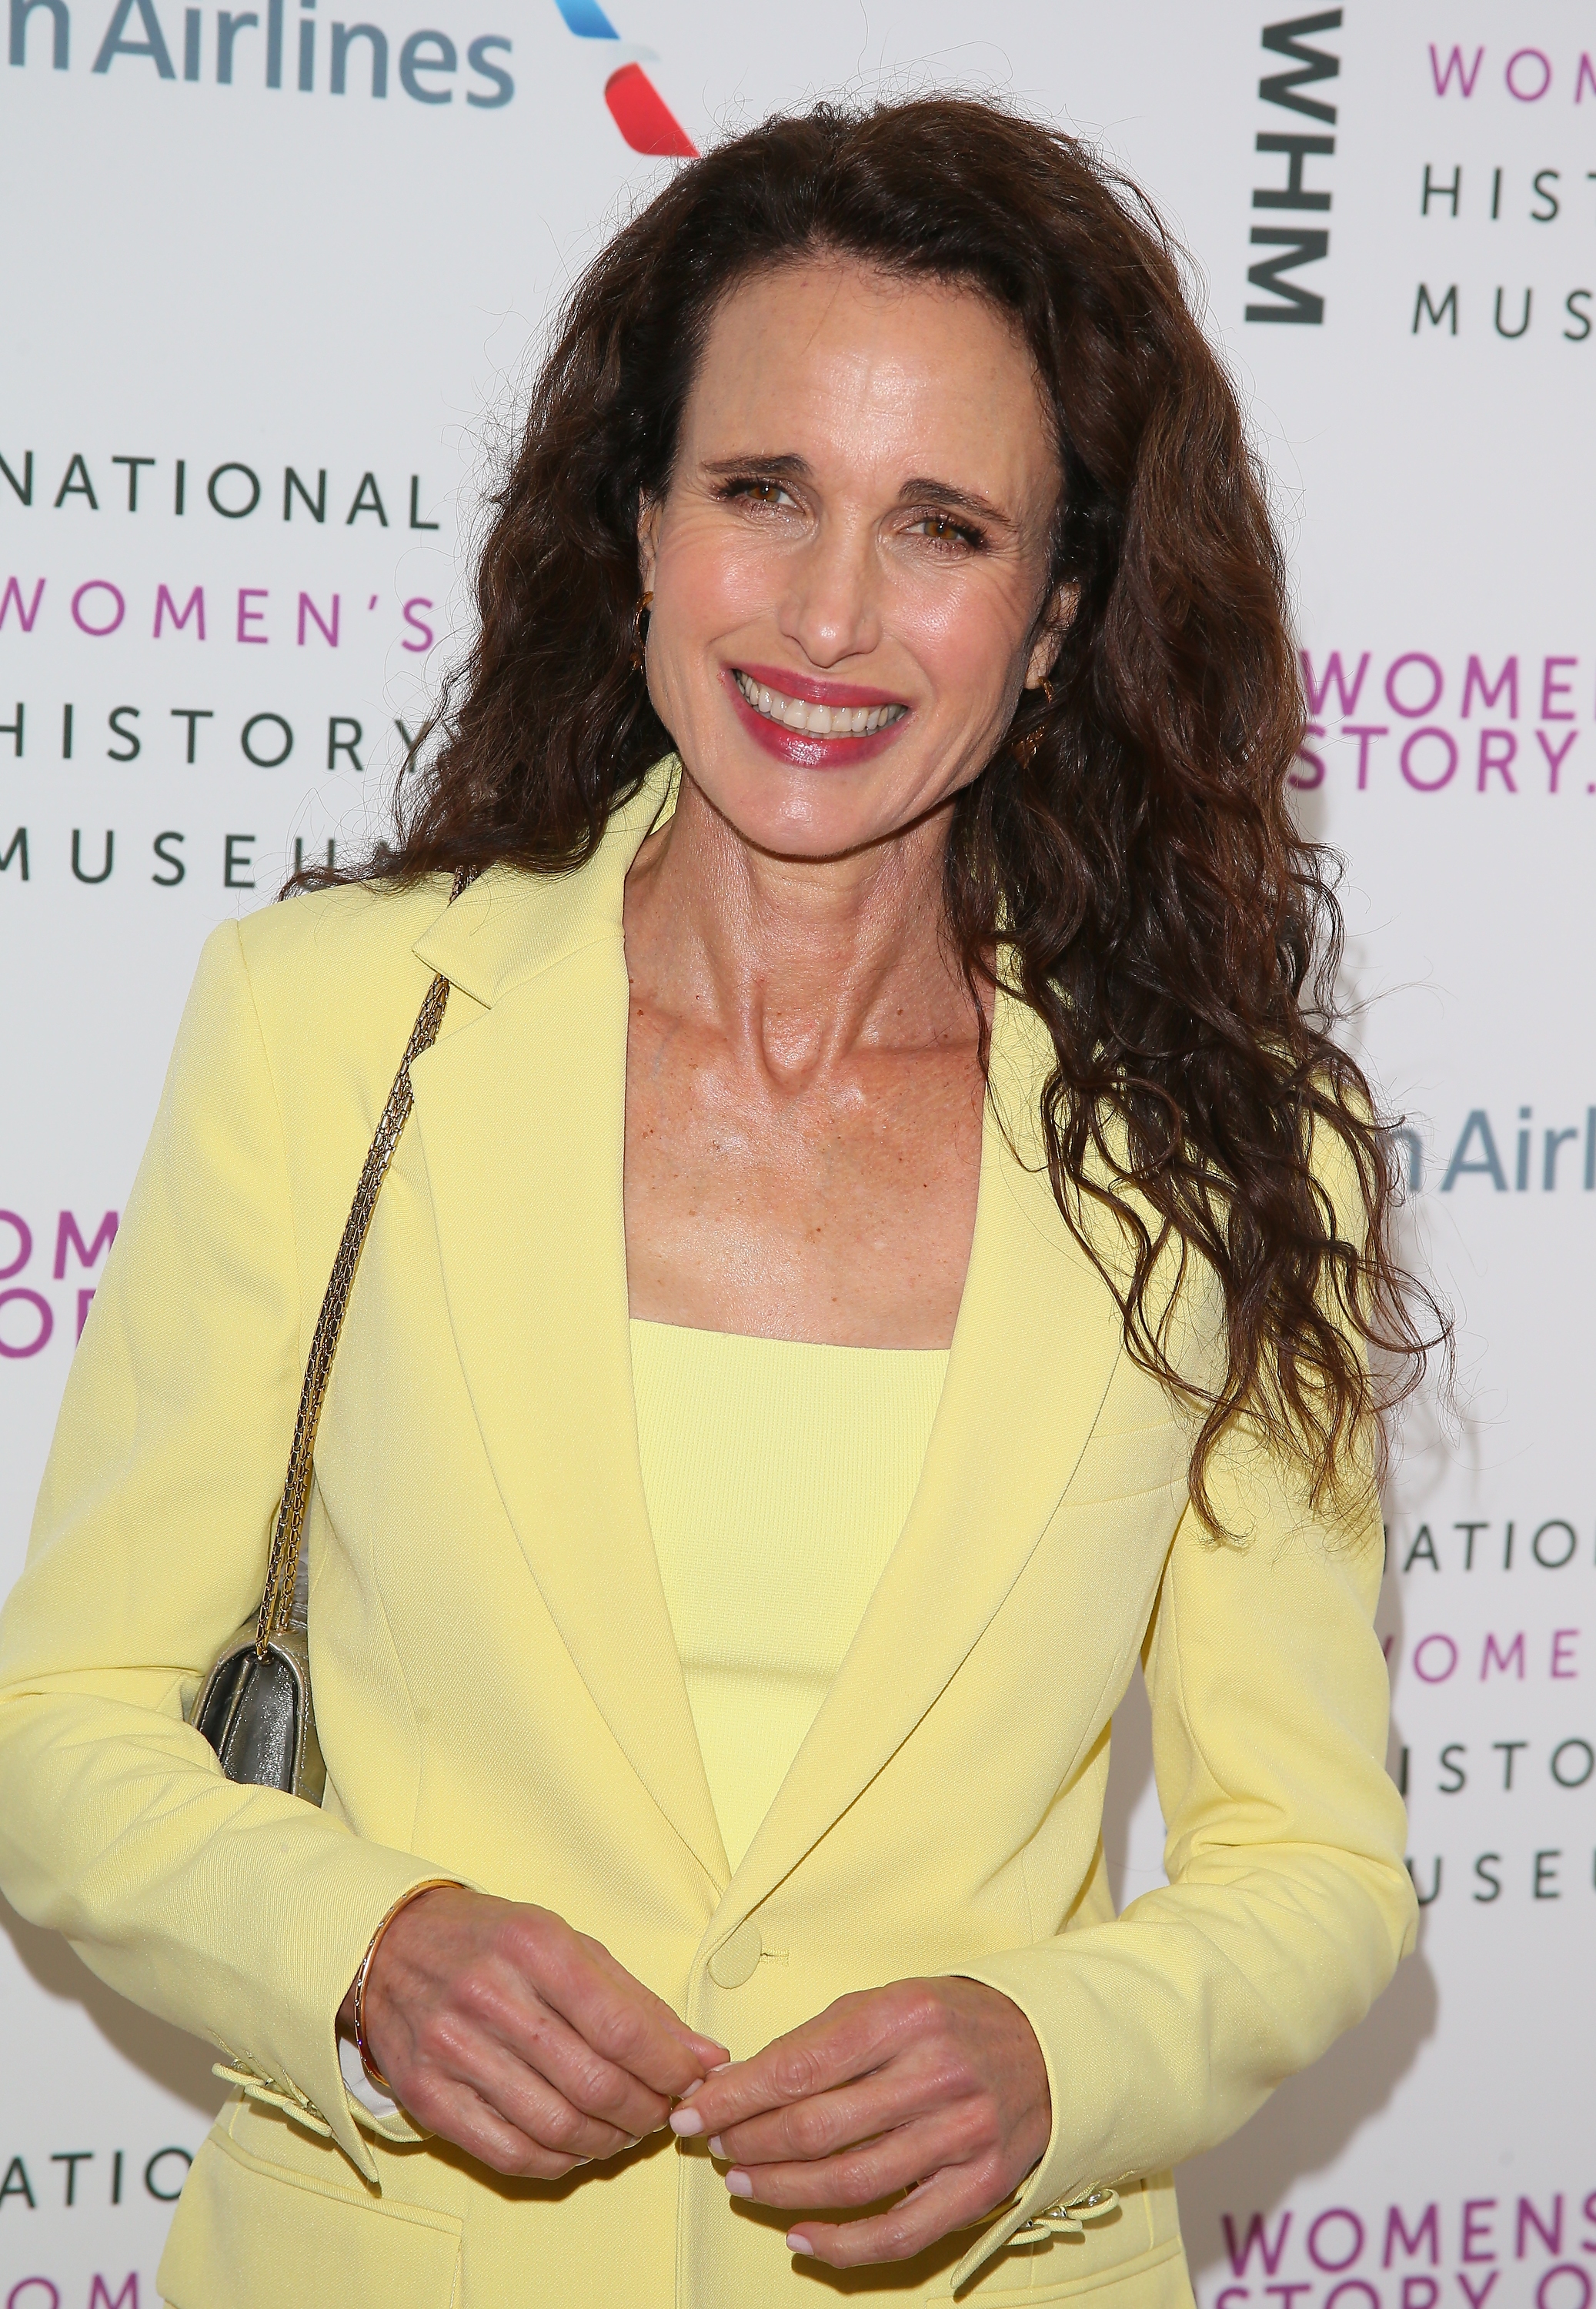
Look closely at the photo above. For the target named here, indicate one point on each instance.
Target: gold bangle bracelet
(373, 2074)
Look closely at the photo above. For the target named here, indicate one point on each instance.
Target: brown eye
(755, 489)
(942, 529)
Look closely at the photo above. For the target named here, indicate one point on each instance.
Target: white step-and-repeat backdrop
(271, 283)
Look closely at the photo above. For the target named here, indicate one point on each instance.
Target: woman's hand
(935, 2086)
(505, 2031)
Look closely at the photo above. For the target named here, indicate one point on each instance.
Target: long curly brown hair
(1129, 848)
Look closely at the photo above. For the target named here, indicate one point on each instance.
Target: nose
(830, 609)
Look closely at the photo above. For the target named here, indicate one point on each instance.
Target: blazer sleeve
(239, 1913)
(1288, 1903)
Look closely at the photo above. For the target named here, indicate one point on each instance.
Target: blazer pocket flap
(251, 2236)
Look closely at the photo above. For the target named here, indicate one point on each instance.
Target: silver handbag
(256, 1706)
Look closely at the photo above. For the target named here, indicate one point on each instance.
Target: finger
(858, 2176)
(806, 2130)
(526, 2101)
(494, 2013)
(710, 2053)
(529, 2049)
(840, 2043)
(454, 2112)
(943, 2203)
(616, 2015)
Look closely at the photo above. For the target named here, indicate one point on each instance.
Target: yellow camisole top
(778, 1476)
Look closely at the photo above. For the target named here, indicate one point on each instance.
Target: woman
(885, 1240)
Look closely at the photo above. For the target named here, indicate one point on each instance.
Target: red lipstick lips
(814, 692)
(807, 748)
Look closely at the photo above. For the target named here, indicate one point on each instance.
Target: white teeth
(818, 720)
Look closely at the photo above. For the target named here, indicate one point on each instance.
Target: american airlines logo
(262, 46)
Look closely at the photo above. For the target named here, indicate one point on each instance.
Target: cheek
(711, 580)
(972, 643)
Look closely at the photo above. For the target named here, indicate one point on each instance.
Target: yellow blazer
(499, 1695)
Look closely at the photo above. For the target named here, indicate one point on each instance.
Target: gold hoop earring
(641, 618)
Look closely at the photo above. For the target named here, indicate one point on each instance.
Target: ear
(648, 531)
(1056, 620)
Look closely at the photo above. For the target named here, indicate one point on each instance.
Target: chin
(800, 815)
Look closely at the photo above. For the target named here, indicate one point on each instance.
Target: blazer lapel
(1035, 1345)
(520, 1114)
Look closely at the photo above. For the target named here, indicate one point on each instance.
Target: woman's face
(849, 566)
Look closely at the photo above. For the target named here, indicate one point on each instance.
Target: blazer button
(737, 1959)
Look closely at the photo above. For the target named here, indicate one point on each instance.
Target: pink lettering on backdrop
(194, 607)
(1434, 1674)
(1554, 762)
(1438, 686)
(18, 1350)
(1410, 748)
(24, 1235)
(1318, 691)
(1364, 731)
(1538, 75)
(1428, 2231)
(80, 616)
(307, 608)
(1269, 2253)
(69, 1237)
(1497, 750)
(18, 2298)
(1477, 2229)
(1552, 686)
(1549, 2231)
(13, 593)
(1576, 2295)
(1321, 2257)
(1512, 1657)
(1474, 679)
(99, 2293)
(1466, 75)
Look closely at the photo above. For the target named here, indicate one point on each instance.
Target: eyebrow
(920, 490)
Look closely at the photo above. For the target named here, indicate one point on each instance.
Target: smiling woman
(886, 1238)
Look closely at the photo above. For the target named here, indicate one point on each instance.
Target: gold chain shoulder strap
(282, 1570)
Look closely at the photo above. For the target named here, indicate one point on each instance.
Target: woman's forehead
(847, 358)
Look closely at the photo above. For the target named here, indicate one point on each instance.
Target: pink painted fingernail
(739, 2183)
(692, 2089)
(795, 2243)
(716, 2146)
(686, 2122)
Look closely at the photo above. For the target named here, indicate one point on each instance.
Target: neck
(797, 961)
